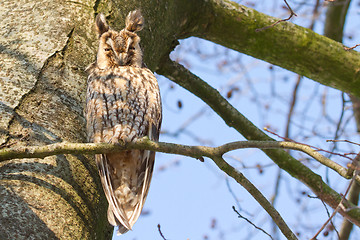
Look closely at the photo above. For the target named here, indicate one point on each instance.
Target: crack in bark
(47, 63)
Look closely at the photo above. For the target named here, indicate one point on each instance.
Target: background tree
(44, 48)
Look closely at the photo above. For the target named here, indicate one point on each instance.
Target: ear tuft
(101, 25)
(134, 21)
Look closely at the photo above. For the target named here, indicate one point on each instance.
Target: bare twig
(340, 140)
(340, 205)
(275, 134)
(292, 106)
(161, 234)
(328, 214)
(313, 147)
(351, 48)
(233, 194)
(258, 228)
(292, 13)
(235, 198)
(339, 122)
(315, 14)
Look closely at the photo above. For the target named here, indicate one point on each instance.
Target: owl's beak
(121, 59)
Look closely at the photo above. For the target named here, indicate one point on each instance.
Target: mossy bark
(287, 45)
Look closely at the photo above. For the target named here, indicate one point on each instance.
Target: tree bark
(44, 47)
(287, 45)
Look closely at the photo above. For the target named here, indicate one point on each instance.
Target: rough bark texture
(44, 47)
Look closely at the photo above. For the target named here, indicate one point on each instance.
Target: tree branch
(180, 75)
(287, 45)
(292, 13)
(243, 181)
(251, 223)
(191, 151)
(172, 148)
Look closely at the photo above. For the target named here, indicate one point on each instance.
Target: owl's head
(119, 48)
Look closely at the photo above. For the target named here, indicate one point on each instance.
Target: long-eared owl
(122, 104)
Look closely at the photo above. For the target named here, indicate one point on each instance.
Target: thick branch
(287, 45)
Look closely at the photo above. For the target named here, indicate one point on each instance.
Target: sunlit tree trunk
(45, 46)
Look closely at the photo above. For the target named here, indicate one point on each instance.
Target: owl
(122, 104)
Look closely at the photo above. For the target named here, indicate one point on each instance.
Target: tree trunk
(45, 46)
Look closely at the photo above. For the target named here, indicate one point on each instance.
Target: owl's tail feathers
(133, 200)
(116, 215)
(113, 221)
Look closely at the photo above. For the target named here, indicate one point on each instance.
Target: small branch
(241, 216)
(161, 234)
(292, 106)
(351, 48)
(340, 140)
(292, 13)
(313, 147)
(335, 211)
